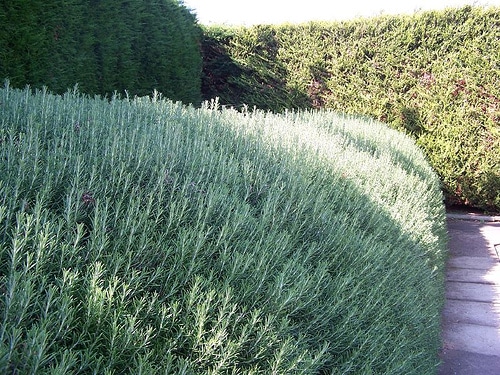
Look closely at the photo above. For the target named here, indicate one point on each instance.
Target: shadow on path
(471, 315)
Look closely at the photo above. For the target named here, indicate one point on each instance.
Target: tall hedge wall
(102, 45)
(435, 75)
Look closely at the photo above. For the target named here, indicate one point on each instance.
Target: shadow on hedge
(261, 82)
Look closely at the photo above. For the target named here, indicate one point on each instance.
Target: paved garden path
(471, 315)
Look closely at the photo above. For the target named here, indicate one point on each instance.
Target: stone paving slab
(471, 312)
(473, 275)
(465, 363)
(472, 338)
(481, 263)
(471, 238)
(472, 292)
(474, 217)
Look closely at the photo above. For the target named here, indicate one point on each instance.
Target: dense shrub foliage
(145, 237)
(435, 75)
(103, 46)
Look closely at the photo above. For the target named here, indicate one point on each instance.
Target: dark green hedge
(435, 75)
(102, 45)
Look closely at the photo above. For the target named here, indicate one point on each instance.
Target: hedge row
(435, 75)
(141, 236)
(103, 46)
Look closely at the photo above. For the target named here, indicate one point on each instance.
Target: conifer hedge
(103, 46)
(435, 75)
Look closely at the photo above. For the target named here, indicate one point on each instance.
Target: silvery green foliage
(144, 236)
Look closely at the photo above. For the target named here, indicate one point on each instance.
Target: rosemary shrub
(142, 236)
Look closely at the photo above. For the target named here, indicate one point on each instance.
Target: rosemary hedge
(144, 237)
(435, 75)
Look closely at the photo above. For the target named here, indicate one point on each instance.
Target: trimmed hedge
(435, 75)
(103, 46)
(145, 237)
